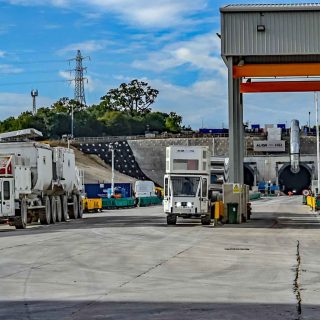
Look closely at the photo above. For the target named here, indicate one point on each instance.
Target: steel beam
(279, 86)
(276, 70)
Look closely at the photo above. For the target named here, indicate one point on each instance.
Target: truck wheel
(73, 213)
(206, 220)
(45, 215)
(21, 221)
(171, 219)
(64, 203)
(53, 219)
(59, 209)
(80, 207)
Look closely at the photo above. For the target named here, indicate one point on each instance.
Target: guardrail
(141, 137)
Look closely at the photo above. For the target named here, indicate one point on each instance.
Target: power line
(32, 61)
(7, 73)
(30, 82)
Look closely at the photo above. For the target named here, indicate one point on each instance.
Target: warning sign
(236, 188)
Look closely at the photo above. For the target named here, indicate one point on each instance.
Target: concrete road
(128, 264)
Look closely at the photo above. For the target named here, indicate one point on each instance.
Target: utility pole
(79, 79)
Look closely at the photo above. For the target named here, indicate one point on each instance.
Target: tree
(135, 98)
(65, 105)
(173, 122)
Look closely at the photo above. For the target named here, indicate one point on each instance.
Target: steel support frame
(236, 131)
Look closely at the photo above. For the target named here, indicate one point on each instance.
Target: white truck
(186, 183)
(144, 188)
(38, 182)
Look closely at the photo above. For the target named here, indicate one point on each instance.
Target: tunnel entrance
(294, 182)
(248, 175)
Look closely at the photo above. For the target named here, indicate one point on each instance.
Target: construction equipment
(38, 182)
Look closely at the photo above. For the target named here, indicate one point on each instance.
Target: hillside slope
(95, 169)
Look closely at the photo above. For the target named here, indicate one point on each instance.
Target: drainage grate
(237, 249)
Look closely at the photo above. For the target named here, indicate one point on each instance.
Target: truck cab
(7, 207)
(186, 184)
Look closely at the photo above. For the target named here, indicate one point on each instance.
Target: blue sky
(171, 44)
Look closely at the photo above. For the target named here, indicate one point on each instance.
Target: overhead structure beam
(276, 70)
(279, 86)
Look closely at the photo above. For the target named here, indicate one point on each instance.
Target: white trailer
(38, 182)
(186, 183)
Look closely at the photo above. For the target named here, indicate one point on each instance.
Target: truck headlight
(178, 204)
(189, 204)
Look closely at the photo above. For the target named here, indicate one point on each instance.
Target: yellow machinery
(92, 205)
(159, 192)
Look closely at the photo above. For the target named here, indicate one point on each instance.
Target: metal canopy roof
(271, 7)
(21, 134)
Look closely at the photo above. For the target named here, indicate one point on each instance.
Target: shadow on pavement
(139, 310)
(112, 221)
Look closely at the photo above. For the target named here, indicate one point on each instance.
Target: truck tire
(171, 219)
(20, 222)
(206, 220)
(64, 203)
(59, 209)
(80, 207)
(53, 219)
(45, 215)
(74, 211)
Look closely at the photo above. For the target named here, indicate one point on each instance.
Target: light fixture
(261, 28)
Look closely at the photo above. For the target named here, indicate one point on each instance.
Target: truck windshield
(185, 186)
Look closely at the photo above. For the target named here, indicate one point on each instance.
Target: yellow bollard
(221, 211)
(216, 210)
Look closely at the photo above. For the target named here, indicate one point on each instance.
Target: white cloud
(12, 104)
(9, 69)
(278, 107)
(201, 52)
(86, 46)
(2, 53)
(207, 97)
(56, 3)
(142, 13)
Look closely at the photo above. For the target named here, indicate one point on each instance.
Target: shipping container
(100, 190)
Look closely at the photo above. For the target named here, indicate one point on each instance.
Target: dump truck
(38, 183)
(186, 183)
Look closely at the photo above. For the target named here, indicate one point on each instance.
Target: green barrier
(149, 201)
(255, 196)
(113, 203)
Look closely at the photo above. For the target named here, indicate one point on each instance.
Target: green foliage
(122, 111)
(135, 98)
(173, 122)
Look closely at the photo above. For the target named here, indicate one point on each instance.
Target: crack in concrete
(296, 283)
(93, 302)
